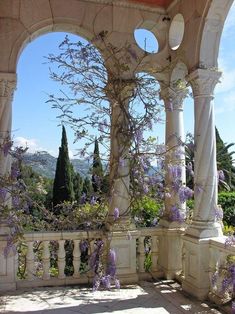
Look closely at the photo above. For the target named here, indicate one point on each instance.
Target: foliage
(146, 211)
(63, 185)
(77, 186)
(225, 163)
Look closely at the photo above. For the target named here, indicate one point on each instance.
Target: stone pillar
(7, 264)
(7, 87)
(119, 93)
(175, 156)
(170, 243)
(204, 225)
(205, 169)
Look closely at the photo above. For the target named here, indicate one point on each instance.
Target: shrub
(146, 211)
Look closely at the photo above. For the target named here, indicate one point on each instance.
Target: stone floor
(158, 297)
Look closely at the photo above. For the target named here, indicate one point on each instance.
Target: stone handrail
(137, 256)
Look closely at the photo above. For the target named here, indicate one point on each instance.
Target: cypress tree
(97, 169)
(77, 186)
(87, 187)
(63, 185)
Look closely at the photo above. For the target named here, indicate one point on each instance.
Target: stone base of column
(202, 229)
(170, 249)
(124, 244)
(196, 279)
(7, 263)
(172, 224)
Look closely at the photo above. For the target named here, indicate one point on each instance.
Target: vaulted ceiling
(155, 3)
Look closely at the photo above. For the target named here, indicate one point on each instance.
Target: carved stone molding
(203, 82)
(173, 98)
(7, 84)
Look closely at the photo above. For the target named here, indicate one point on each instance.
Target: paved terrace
(159, 297)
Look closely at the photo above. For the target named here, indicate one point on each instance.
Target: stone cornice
(127, 4)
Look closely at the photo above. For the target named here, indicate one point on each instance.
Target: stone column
(170, 243)
(175, 156)
(7, 87)
(7, 264)
(119, 93)
(196, 241)
(205, 169)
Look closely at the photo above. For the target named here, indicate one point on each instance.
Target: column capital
(203, 82)
(173, 97)
(7, 84)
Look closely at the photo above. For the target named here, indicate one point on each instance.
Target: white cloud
(227, 104)
(227, 81)
(71, 155)
(30, 143)
(33, 146)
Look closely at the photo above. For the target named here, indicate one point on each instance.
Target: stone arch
(23, 40)
(211, 33)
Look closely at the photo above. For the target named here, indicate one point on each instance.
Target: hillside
(45, 164)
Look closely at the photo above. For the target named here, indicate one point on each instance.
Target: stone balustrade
(55, 258)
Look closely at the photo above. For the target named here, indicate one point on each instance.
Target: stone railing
(222, 258)
(137, 256)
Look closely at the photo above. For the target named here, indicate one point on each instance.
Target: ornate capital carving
(203, 82)
(7, 84)
(173, 97)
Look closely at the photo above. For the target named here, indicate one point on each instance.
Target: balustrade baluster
(61, 259)
(46, 260)
(30, 261)
(141, 255)
(76, 258)
(154, 253)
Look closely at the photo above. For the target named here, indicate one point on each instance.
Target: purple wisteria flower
(93, 200)
(179, 153)
(3, 193)
(117, 284)
(198, 189)
(221, 176)
(185, 193)
(218, 212)
(189, 168)
(116, 213)
(230, 241)
(14, 170)
(7, 147)
(176, 214)
(139, 136)
(84, 246)
(175, 171)
(83, 198)
(111, 267)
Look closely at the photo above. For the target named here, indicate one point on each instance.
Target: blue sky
(35, 123)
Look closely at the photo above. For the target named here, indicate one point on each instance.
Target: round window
(176, 32)
(146, 40)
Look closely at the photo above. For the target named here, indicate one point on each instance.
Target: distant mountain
(45, 164)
